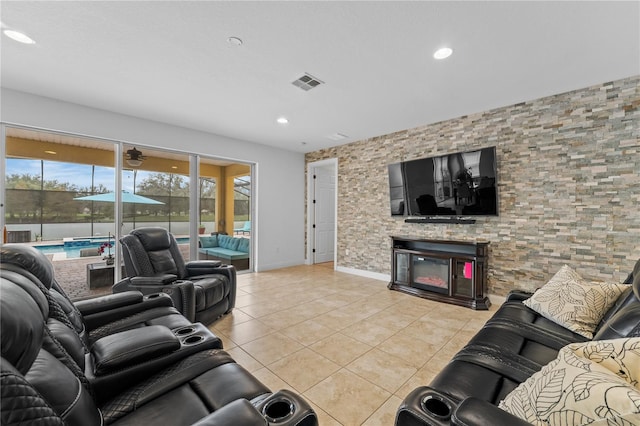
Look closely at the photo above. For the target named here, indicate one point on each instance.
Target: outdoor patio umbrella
(127, 197)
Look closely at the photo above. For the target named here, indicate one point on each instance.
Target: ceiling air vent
(307, 82)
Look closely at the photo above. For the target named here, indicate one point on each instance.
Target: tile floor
(350, 346)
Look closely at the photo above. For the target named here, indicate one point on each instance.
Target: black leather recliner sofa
(203, 290)
(514, 344)
(142, 373)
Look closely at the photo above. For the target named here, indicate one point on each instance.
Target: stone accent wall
(568, 187)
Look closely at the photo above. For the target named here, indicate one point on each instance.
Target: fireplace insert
(431, 273)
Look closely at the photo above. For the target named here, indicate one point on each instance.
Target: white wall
(279, 230)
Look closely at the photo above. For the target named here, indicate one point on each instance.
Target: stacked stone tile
(569, 187)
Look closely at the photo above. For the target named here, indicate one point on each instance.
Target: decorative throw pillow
(208, 242)
(574, 303)
(243, 245)
(593, 383)
(224, 241)
(233, 243)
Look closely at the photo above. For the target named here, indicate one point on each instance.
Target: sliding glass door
(74, 197)
(225, 213)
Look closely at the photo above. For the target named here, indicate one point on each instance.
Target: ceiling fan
(134, 157)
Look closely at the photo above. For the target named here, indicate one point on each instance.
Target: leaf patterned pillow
(593, 383)
(574, 303)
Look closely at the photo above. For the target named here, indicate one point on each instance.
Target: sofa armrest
(161, 279)
(119, 361)
(182, 292)
(127, 348)
(426, 406)
(102, 310)
(237, 413)
(474, 411)
(228, 271)
(108, 302)
(202, 267)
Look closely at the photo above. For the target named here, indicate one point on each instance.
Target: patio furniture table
(18, 236)
(100, 275)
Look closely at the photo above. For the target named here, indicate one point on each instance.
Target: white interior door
(324, 214)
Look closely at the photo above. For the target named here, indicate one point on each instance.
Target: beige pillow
(593, 383)
(574, 303)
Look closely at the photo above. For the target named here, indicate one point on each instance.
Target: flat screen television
(458, 184)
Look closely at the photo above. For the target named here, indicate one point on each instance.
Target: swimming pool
(71, 247)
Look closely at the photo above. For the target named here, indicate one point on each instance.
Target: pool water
(71, 249)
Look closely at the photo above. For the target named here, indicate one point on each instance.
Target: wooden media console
(447, 271)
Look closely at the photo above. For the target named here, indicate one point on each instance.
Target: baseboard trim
(367, 274)
(269, 267)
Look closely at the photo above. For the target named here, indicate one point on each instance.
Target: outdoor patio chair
(203, 290)
(246, 229)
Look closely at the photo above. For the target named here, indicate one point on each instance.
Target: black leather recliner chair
(203, 290)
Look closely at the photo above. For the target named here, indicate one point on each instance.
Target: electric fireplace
(431, 274)
(446, 271)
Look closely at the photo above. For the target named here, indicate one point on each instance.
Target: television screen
(458, 184)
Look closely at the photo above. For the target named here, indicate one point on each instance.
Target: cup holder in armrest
(184, 331)
(425, 405)
(437, 406)
(196, 335)
(188, 335)
(193, 339)
(286, 408)
(278, 410)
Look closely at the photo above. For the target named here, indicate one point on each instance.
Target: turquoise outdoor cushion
(206, 242)
(233, 245)
(227, 254)
(228, 242)
(243, 245)
(224, 241)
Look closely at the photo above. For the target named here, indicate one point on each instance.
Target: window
(60, 195)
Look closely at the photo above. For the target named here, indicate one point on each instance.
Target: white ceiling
(171, 62)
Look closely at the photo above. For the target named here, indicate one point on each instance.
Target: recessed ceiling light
(174, 167)
(50, 152)
(18, 36)
(443, 53)
(234, 41)
(282, 120)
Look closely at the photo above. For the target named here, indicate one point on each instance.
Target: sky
(78, 174)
